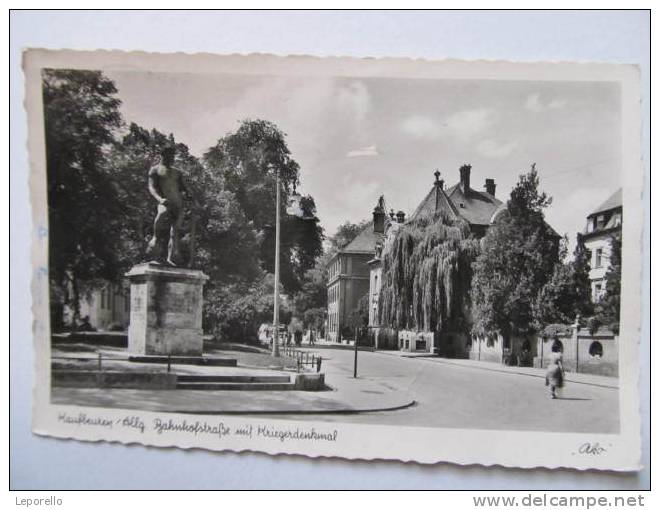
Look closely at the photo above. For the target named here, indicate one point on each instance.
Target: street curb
(343, 347)
(513, 372)
(301, 411)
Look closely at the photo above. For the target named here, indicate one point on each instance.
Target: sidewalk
(343, 398)
(327, 344)
(579, 378)
(344, 395)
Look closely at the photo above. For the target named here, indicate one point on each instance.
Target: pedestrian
(554, 376)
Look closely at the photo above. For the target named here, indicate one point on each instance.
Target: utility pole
(356, 349)
(276, 306)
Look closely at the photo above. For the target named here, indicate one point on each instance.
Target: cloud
(422, 127)
(355, 99)
(495, 150)
(534, 103)
(462, 125)
(369, 151)
(467, 123)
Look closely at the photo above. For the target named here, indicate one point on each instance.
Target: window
(598, 262)
(102, 299)
(600, 221)
(596, 349)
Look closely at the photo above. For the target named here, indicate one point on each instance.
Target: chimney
(400, 217)
(465, 177)
(439, 182)
(490, 186)
(379, 216)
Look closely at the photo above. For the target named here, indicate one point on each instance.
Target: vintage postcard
(337, 257)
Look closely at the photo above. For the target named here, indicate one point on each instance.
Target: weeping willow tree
(427, 273)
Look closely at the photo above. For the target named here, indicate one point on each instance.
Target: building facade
(348, 282)
(603, 223)
(107, 307)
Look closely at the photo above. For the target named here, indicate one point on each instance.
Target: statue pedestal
(166, 310)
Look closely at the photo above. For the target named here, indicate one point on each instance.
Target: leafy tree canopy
(346, 232)
(567, 293)
(81, 114)
(248, 161)
(427, 273)
(608, 309)
(518, 256)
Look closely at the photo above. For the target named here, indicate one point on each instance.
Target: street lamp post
(356, 350)
(276, 306)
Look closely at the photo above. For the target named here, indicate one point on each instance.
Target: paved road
(459, 396)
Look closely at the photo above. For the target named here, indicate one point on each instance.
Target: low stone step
(240, 386)
(113, 379)
(235, 378)
(185, 360)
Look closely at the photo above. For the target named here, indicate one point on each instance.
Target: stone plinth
(166, 310)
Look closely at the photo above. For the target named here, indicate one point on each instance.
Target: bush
(388, 339)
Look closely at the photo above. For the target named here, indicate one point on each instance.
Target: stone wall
(583, 352)
(518, 351)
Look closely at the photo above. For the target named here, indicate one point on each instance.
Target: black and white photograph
(297, 255)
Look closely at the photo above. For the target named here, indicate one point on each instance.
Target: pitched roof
(614, 201)
(476, 207)
(434, 201)
(364, 242)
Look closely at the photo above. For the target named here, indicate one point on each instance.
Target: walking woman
(554, 376)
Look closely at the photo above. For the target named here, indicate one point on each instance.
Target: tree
(555, 303)
(235, 311)
(346, 232)
(314, 318)
(81, 115)
(608, 309)
(426, 275)
(313, 292)
(581, 266)
(248, 161)
(518, 257)
(568, 292)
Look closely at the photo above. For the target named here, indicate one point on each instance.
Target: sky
(358, 138)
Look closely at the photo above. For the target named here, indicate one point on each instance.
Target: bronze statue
(166, 186)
